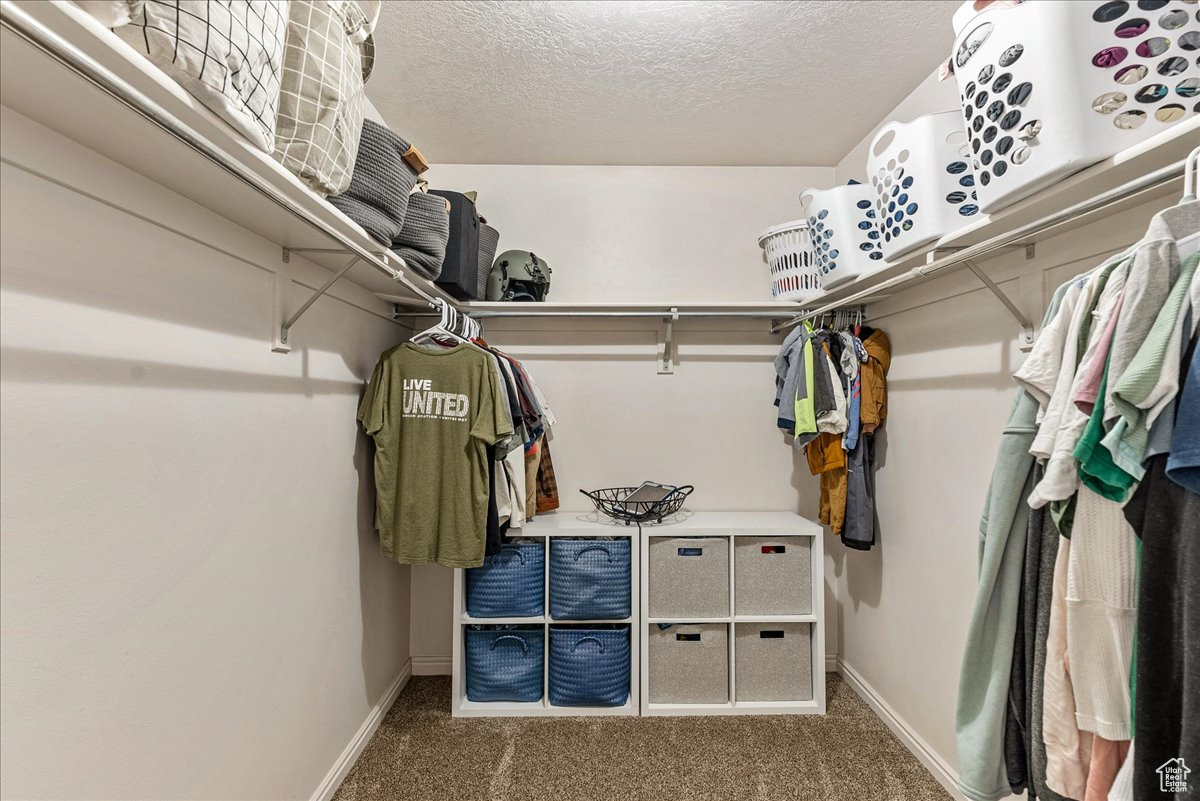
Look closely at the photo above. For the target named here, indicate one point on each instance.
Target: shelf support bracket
(281, 290)
(1027, 334)
(666, 365)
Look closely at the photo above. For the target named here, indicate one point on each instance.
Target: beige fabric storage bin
(772, 576)
(773, 662)
(689, 577)
(689, 663)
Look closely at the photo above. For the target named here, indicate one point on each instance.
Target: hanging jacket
(873, 396)
(804, 404)
(791, 353)
(987, 658)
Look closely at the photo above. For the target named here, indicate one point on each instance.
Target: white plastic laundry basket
(787, 250)
(924, 188)
(1050, 87)
(846, 238)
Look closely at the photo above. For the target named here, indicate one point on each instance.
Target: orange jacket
(873, 410)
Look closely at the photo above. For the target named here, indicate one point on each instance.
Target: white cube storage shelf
(545, 530)
(715, 596)
(733, 615)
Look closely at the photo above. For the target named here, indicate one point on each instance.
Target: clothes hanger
(443, 328)
(1191, 170)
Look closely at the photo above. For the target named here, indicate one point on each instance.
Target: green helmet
(518, 275)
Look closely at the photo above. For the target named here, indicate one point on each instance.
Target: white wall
(640, 233)
(643, 233)
(194, 605)
(905, 605)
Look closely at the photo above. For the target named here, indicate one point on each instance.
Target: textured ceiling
(650, 82)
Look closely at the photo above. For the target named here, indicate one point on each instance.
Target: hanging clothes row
(460, 431)
(1081, 675)
(831, 397)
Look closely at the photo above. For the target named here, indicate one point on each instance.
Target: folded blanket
(378, 195)
(422, 242)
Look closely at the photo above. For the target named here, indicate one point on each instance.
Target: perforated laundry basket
(846, 238)
(788, 251)
(924, 188)
(1048, 88)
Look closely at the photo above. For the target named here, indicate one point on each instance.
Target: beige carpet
(422, 753)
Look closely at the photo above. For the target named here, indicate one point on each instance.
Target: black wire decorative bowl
(612, 502)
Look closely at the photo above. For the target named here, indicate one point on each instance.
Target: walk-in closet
(622, 400)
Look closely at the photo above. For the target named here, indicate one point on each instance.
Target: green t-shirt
(432, 413)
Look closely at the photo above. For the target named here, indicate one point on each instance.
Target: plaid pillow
(321, 94)
(225, 53)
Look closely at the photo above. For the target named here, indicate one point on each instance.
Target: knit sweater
(1101, 601)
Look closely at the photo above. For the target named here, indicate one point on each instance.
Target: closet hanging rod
(664, 313)
(29, 29)
(958, 258)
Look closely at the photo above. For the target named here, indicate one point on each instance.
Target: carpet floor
(421, 753)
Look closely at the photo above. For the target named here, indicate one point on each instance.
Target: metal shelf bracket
(283, 289)
(666, 365)
(1027, 332)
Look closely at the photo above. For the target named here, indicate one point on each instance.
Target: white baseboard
(945, 775)
(432, 665)
(333, 779)
(831, 663)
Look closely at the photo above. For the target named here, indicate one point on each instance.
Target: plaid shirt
(547, 488)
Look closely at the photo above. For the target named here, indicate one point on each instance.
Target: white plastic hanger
(1191, 172)
(444, 327)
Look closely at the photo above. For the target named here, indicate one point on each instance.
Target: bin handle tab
(600, 548)
(511, 549)
(498, 640)
(582, 640)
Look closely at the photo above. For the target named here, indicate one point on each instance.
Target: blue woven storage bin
(504, 664)
(589, 667)
(509, 584)
(589, 579)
